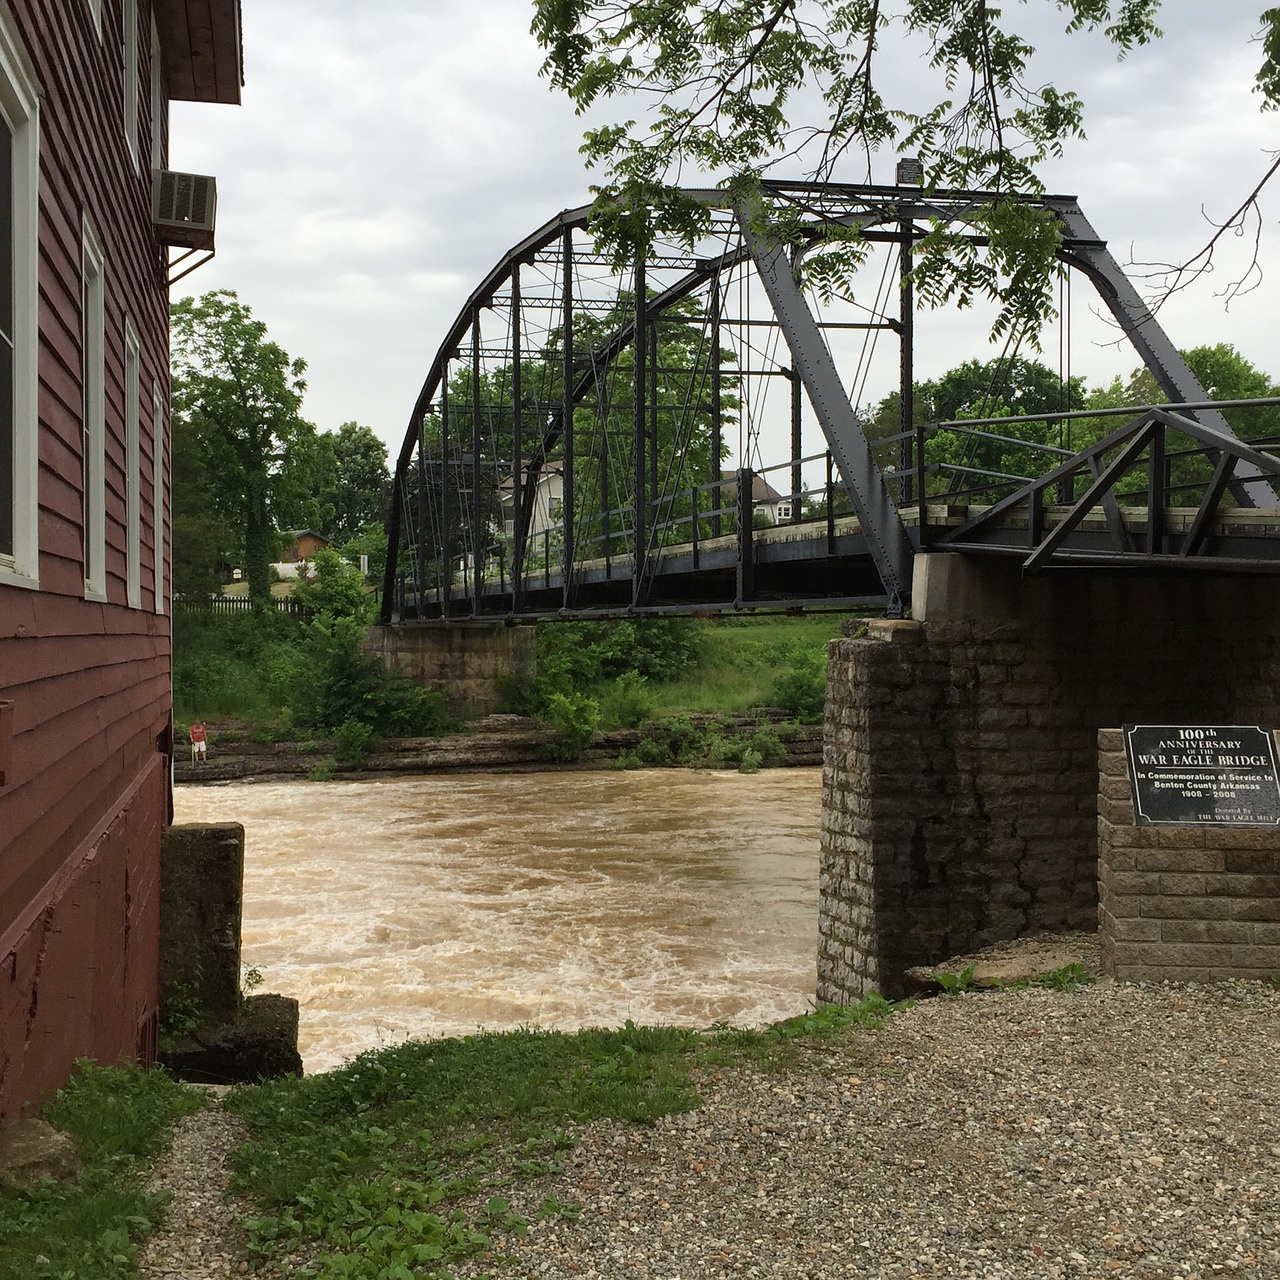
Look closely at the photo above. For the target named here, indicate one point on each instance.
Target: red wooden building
(84, 614)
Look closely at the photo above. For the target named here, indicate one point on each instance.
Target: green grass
(409, 1159)
(741, 660)
(119, 1120)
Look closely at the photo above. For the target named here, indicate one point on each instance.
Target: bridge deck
(794, 565)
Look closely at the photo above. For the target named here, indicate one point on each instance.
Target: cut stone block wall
(1192, 904)
(464, 662)
(960, 758)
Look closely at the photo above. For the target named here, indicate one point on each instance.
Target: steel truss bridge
(566, 455)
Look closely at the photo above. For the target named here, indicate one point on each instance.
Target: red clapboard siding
(90, 680)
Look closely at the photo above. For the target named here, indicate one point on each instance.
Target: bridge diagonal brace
(1064, 472)
(1198, 534)
(1102, 485)
(882, 526)
(1110, 507)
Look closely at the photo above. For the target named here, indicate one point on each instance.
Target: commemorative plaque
(1198, 776)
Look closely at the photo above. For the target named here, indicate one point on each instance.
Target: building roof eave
(201, 48)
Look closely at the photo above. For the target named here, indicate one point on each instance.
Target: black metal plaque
(1203, 775)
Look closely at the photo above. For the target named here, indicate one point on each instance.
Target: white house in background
(765, 499)
(548, 501)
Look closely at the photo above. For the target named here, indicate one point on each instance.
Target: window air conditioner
(182, 208)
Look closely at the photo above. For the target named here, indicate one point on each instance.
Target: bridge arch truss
(567, 453)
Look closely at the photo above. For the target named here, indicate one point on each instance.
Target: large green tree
(737, 86)
(353, 484)
(202, 541)
(241, 396)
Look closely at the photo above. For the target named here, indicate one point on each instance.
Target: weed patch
(403, 1162)
(119, 1119)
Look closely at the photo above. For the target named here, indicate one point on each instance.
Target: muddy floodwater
(435, 906)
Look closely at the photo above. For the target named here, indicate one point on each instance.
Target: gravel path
(199, 1239)
(1127, 1132)
(1117, 1131)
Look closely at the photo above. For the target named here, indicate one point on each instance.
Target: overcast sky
(383, 160)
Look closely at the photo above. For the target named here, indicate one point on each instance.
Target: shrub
(336, 590)
(802, 690)
(354, 741)
(571, 654)
(576, 717)
(336, 682)
(628, 703)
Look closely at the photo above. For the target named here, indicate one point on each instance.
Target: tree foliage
(240, 395)
(740, 86)
(202, 538)
(353, 483)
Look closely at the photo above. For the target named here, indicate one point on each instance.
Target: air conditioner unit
(182, 208)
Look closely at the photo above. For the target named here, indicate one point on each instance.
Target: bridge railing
(1155, 481)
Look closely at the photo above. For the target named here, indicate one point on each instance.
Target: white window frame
(94, 373)
(132, 464)
(20, 107)
(132, 82)
(159, 103)
(157, 493)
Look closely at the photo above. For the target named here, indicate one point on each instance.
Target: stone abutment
(960, 773)
(465, 661)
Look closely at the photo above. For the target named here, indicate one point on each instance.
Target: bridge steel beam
(883, 527)
(883, 215)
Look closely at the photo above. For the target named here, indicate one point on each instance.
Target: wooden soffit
(200, 45)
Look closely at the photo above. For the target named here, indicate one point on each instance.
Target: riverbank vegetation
(295, 676)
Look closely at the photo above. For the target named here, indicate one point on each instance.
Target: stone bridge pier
(960, 772)
(465, 661)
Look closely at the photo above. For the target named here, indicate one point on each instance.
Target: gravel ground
(199, 1239)
(1117, 1131)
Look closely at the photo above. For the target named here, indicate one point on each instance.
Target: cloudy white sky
(384, 158)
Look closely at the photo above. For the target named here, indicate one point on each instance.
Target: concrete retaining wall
(201, 899)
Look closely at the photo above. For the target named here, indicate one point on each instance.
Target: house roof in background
(761, 490)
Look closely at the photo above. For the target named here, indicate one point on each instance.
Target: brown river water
(415, 907)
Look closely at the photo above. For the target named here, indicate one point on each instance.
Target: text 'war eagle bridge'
(686, 433)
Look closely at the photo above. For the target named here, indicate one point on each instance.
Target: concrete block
(898, 631)
(1260, 862)
(1179, 859)
(1262, 910)
(1168, 908)
(1177, 885)
(1121, 906)
(1243, 886)
(1182, 837)
(1136, 930)
(1204, 931)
